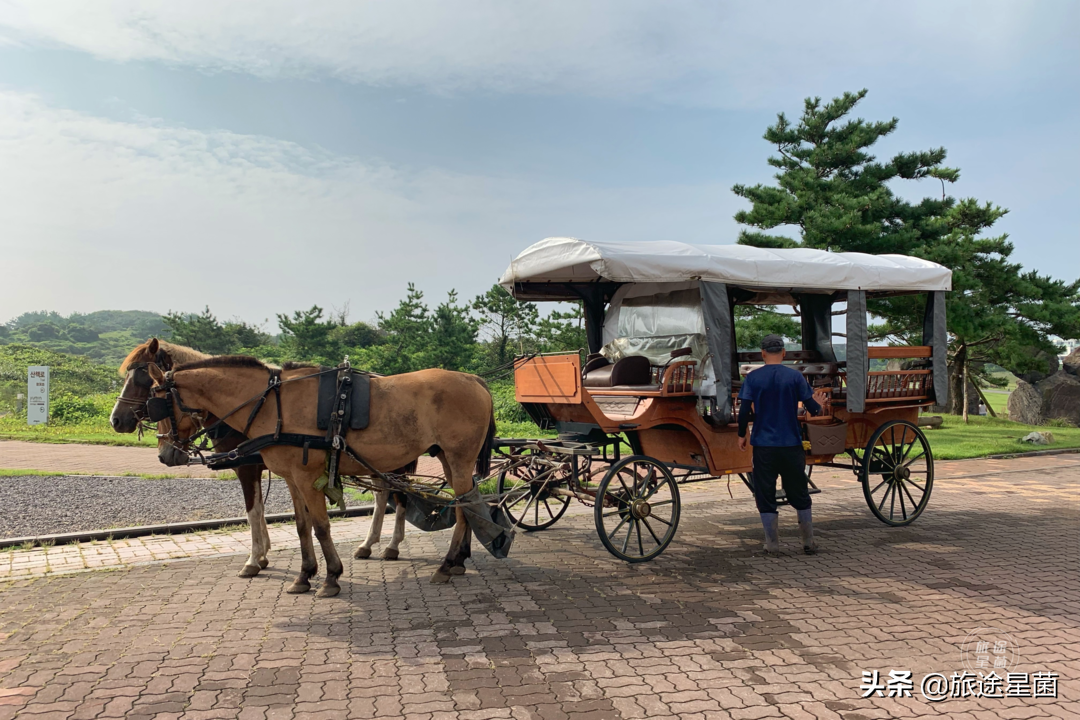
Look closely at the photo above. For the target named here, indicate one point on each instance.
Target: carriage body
(664, 372)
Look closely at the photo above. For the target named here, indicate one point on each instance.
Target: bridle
(140, 378)
(160, 409)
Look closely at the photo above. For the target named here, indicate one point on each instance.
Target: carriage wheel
(528, 483)
(637, 508)
(897, 473)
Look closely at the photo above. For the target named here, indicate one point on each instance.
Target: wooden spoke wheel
(897, 473)
(528, 483)
(637, 508)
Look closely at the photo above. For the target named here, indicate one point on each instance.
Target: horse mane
(224, 361)
(179, 354)
(299, 366)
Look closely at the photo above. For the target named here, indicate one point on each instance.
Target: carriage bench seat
(634, 371)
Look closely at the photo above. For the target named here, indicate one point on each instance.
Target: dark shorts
(789, 463)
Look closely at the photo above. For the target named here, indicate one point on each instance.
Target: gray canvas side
(718, 332)
(816, 311)
(936, 336)
(593, 307)
(857, 362)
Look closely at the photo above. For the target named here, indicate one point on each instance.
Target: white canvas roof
(569, 260)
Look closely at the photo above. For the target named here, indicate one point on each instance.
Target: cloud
(105, 214)
(723, 54)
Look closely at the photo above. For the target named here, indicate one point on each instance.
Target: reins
(274, 384)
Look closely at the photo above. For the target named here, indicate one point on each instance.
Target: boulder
(1038, 438)
(1026, 404)
(1060, 397)
(1052, 365)
(1071, 363)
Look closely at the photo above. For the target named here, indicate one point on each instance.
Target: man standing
(775, 391)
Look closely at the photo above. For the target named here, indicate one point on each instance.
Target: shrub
(507, 409)
(69, 409)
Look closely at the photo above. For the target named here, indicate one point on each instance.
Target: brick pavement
(562, 630)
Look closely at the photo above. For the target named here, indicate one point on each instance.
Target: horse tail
(483, 461)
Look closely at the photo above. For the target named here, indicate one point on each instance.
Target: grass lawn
(954, 440)
(90, 432)
(991, 436)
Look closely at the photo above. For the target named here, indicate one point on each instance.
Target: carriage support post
(858, 362)
(936, 336)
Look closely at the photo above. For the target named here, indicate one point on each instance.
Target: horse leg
(309, 565)
(459, 475)
(375, 530)
(391, 552)
(334, 568)
(251, 483)
(260, 520)
(457, 565)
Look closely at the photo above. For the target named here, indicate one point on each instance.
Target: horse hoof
(298, 588)
(362, 553)
(457, 570)
(440, 578)
(249, 571)
(328, 591)
(390, 554)
(263, 562)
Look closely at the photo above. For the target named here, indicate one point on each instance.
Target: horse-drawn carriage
(661, 379)
(663, 374)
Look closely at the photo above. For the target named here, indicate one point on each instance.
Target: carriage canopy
(686, 289)
(569, 261)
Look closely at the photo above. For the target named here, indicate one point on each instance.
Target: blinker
(158, 409)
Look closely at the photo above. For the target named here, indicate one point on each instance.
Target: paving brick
(561, 630)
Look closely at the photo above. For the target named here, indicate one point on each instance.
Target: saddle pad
(359, 411)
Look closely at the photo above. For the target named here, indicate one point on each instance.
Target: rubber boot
(771, 522)
(806, 531)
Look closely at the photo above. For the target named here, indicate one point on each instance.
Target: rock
(1060, 397)
(1071, 363)
(1026, 404)
(1038, 438)
(930, 421)
(1052, 365)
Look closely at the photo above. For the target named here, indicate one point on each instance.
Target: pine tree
(836, 196)
(507, 322)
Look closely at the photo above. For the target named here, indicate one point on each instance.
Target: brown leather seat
(632, 370)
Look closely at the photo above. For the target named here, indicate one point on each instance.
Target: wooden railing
(679, 378)
(898, 384)
(877, 352)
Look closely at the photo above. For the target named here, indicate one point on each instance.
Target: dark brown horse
(446, 413)
(130, 407)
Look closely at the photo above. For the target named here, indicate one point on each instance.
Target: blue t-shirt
(776, 391)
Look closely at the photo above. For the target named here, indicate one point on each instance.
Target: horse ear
(152, 347)
(155, 373)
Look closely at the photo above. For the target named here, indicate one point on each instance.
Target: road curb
(1031, 453)
(164, 529)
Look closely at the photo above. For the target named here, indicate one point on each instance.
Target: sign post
(37, 395)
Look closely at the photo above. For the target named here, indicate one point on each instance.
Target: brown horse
(130, 407)
(448, 414)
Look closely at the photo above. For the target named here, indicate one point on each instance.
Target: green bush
(507, 409)
(69, 409)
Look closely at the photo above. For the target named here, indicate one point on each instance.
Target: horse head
(176, 423)
(129, 409)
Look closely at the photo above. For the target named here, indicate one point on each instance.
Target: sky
(260, 157)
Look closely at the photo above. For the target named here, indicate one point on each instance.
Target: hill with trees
(105, 336)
